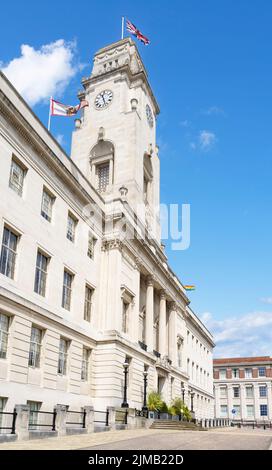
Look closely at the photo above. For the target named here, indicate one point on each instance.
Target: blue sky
(209, 64)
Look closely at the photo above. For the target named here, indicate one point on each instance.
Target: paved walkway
(153, 439)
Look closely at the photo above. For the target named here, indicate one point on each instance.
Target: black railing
(121, 416)
(36, 416)
(142, 345)
(81, 421)
(4, 416)
(141, 413)
(105, 415)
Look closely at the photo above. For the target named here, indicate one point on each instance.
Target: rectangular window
(223, 411)
(91, 244)
(103, 173)
(180, 347)
(236, 392)
(41, 273)
(235, 373)
(88, 303)
(250, 411)
(237, 410)
(35, 407)
(71, 227)
(47, 205)
(35, 347)
(223, 392)
(263, 410)
(16, 179)
(85, 364)
(249, 392)
(263, 391)
(67, 290)
(4, 328)
(248, 373)
(63, 352)
(8, 253)
(222, 374)
(262, 372)
(125, 317)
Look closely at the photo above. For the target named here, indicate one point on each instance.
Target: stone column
(22, 421)
(111, 418)
(89, 423)
(243, 401)
(61, 419)
(229, 397)
(136, 308)
(172, 333)
(256, 401)
(149, 315)
(162, 324)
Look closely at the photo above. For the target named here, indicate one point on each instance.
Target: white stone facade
(64, 224)
(243, 388)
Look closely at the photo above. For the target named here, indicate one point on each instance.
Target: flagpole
(123, 23)
(49, 115)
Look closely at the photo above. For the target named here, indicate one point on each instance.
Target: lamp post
(192, 401)
(183, 394)
(125, 403)
(144, 407)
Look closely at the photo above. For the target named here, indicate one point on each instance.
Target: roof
(242, 360)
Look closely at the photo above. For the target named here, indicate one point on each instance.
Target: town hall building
(86, 291)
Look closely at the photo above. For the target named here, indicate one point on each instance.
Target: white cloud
(248, 335)
(206, 139)
(193, 145)
(266, 300)
(213, 110)
(39, 73)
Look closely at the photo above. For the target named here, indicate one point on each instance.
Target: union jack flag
(133, 30)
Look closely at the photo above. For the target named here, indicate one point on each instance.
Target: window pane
(67, 290)
(263, 391)
(62, 363)
(103, 176)
(40, 274)
(8, 253)
(4, 327)
(262, 372)
(71, 228)
(47, 203)
(263, 410)
(16, 180)
(35, 347)
(88, 303)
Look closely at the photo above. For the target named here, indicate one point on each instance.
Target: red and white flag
(131, 28)
(60, 109)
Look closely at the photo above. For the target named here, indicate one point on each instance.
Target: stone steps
(175, 425)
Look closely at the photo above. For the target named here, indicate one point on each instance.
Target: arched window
(102, 166)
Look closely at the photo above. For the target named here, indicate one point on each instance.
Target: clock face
(149, 115)
(103, 99)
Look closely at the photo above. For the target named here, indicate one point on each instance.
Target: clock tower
(114, 143)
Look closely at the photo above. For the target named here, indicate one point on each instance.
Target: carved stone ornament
(111, 245)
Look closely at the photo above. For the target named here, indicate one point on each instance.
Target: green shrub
(154, 401)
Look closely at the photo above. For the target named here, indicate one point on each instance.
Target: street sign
(234, 411)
